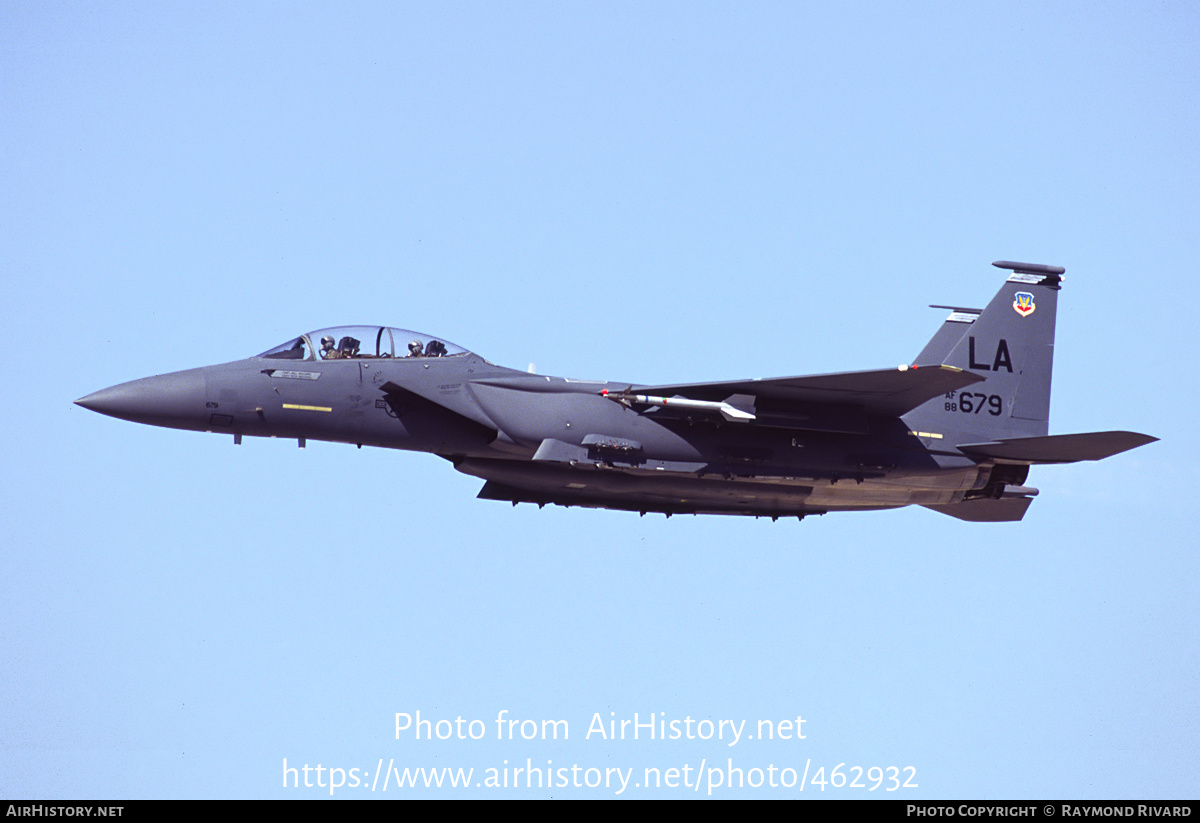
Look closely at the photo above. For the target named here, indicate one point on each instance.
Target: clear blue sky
(647, 192)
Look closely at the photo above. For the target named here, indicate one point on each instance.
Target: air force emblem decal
(1023, 303)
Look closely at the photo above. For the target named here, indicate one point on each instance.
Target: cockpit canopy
(361, 343)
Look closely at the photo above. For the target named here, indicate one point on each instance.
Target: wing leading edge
(887, 392)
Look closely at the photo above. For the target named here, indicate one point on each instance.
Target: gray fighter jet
(955, 431)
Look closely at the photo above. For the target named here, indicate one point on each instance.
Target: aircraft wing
(888, 392)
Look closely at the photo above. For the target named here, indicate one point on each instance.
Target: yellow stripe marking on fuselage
(307, 408)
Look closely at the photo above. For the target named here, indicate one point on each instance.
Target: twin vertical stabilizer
(1010, 343)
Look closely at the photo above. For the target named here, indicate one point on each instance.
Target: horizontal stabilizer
(1060, 448)
(890, 392)
(986, 510)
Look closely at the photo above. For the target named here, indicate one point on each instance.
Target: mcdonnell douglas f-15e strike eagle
(955, 431)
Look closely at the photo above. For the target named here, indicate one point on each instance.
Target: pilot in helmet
(328, 352)
(415, 349)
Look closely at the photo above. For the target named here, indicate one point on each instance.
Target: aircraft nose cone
(175, 400)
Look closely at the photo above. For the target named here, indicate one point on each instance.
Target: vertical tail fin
(1011, 343)
(947, 337)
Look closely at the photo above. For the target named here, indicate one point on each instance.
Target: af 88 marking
(972, 403)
